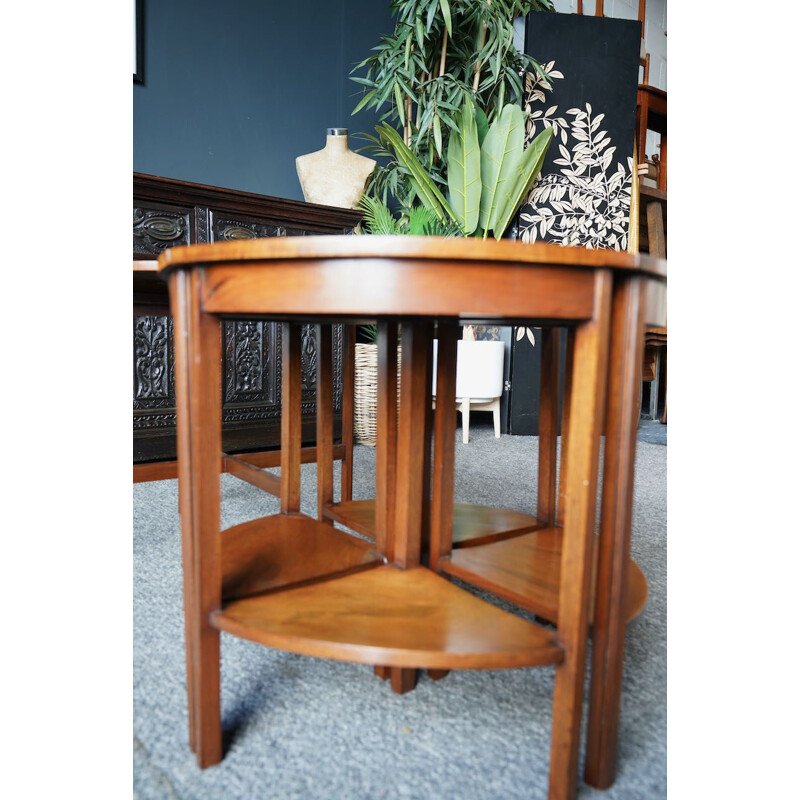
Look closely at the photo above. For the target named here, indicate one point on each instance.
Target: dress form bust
(335, 175)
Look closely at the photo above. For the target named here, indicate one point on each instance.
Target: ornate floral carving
(249, 361)
(152, 362)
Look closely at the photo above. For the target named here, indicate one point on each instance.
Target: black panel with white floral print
(588, 96)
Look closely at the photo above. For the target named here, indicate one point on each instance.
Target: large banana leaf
(501, 154)
(464, 170)
(421, 182)
(528, 170)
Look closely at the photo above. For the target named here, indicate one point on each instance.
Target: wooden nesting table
(297, 583)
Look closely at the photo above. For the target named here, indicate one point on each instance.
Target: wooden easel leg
(199, 402)
(608, 635)
(586, 414)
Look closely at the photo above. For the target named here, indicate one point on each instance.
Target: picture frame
(138, 35)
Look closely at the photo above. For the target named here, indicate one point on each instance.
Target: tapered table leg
(608, 635)
(588, 389)
(199, 404)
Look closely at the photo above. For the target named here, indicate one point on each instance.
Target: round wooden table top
(433, 248)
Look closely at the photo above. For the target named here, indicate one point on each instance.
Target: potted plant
(445, 74)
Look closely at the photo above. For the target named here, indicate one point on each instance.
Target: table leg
(566, 405)
(608, 634)
(348, 403)
(386, 450)
(548, 426)
(324, 420)
(587, 402)
(444, 440)
(386, 437)
(291, 421)
(199, 403)
(413, 449)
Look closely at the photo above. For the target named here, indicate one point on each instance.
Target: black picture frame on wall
(138, 50)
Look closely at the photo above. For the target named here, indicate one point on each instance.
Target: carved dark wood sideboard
(167, 213)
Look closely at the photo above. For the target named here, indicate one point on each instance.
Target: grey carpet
(302, 728)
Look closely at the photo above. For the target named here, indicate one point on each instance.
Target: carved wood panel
(169, 213)
(156, 229)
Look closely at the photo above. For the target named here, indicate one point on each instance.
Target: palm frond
(378, 217)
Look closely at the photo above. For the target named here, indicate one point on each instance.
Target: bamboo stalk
(444, 53)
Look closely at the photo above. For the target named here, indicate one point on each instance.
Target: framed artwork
(138, 67)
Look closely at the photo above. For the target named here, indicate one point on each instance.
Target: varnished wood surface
(393, 617)
(427, 248)
(285, 549)
(473, 525)
(291, 419)
(444, 454)
(167, 470)
(548, 426)
(266, 481)
(199, 396)
(403, 286)
(616, 583)
(400, 616)
(574, 594)
(525, 570)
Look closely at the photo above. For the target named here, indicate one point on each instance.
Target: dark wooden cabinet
(167, 213)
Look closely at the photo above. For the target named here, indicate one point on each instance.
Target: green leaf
(378, 217)
(420, 181)
(464, 170)
(445, 6)
(398, 96)
(529, 168)
(501, 153)
(437, 134)
(364, 100)
(420, 30)
(482, 124)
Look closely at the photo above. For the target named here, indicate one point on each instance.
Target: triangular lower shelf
(472, 524)
(526, 571)
(392, 617)
(283, 550)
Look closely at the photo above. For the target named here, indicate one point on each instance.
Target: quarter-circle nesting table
(299, 584)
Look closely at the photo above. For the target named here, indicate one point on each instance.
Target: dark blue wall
(234, 91)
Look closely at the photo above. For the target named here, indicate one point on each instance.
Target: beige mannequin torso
(334, 176)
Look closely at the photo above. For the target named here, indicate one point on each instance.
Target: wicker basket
(365, 405)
